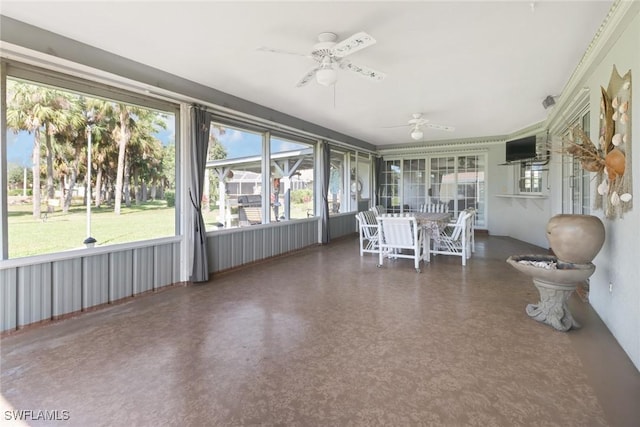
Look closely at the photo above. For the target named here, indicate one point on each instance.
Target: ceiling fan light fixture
(417, 134)
(326, 76)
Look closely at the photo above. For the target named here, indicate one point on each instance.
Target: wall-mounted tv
(521, 149)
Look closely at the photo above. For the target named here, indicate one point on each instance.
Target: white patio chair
(434, 207)
(455, 239)
(399, 232)
(472, 237)
(368, 230)
(379, 210)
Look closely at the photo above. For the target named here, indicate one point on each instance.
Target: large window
(576, 181)
(530, 180)
(242, 193)
(362, 186)
(414, 183)
(456, 181)
(292, 179)
(442, 175)
(232, 196)
(390, 185)
(338, 201)
(81, 165)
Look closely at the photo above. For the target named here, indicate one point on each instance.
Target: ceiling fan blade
(394, 127)
(352, 44)
(364, 71)
(439, 127)
(285, 52)
(308, 77)
(418, 122)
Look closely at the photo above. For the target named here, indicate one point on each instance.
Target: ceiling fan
(330, 55)
(418, 122)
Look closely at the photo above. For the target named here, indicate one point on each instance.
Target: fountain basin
(561, 272)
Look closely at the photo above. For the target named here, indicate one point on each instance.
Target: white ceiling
(482, 67)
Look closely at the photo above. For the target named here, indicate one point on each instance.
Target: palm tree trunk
(126, 189)
(136, 188)
(122, 147)
(72, 185)
(50, 189)
(98, 201)
(36, 197)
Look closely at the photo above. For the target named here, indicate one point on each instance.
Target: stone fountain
(575, 241)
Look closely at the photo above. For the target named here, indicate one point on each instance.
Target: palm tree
(71, 143)
(42, 112)
(144, 153)
(118, 119)
(22, 115)
(102, 122)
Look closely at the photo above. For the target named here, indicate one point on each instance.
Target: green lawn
(59, 231)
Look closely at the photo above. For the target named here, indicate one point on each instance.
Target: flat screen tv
(521, 149)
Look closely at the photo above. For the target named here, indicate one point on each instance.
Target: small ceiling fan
(330, 55)
(418, 122)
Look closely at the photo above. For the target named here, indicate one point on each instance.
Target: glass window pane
(337, 198)
(443, 182)
(413, 184)
(459, 182)
(468, 182)
(131, 191)
(390, 185)
(292, 178)
(232, 196)
(363, 186)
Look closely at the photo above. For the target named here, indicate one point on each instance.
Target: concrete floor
(323, 337)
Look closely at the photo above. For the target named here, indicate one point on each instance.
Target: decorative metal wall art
(610, 158)
(615, 185)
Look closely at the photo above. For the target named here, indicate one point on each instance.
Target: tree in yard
(16, 176)
(42, 112)
(119, 120)
(71, 147)
(216, 151)
(144, 154)
(21, 115)
(102, 121)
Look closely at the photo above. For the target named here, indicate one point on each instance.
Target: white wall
(617, 262)
(521, 218)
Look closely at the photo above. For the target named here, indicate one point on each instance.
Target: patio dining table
(432, 224)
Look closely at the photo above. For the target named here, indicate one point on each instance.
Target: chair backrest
(367, 219)
(459, 226)
(434, 207)
(379, 210)
(398, 230)
(472, 212)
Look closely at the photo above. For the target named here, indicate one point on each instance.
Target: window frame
(12, 69)
(268, 133)
(576, 182)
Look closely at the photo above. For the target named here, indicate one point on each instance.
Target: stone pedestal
(552, 308)
(555, 286)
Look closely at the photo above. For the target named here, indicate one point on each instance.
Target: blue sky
(19, 148)
(237, 143)
(244, 144)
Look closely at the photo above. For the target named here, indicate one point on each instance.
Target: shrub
(18, 192)
(301, 196)
(170, 197)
